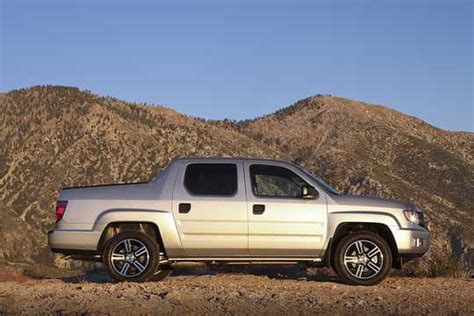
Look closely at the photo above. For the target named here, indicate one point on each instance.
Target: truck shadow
(278, 271)
(271, 271)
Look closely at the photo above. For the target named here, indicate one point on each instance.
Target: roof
(232, 159)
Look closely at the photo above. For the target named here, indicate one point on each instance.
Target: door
(282, 223)
(210, 209)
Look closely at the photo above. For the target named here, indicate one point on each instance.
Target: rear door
(210, 209)
(281, 222)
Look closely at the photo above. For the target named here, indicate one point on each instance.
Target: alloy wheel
(363, 259)
(130, 257)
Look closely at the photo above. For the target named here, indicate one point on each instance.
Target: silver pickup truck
(235, 210)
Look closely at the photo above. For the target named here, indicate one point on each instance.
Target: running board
(249, 260)
(98, 258)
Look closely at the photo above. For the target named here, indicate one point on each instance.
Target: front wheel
(363, 258)
(131, 256)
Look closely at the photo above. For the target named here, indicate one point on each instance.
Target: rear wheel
(363, 258)
(131, 256)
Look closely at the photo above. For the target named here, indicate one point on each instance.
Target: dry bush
(441, 263)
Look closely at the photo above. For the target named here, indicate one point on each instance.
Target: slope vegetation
(59, 136)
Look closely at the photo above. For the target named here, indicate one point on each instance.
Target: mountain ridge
(146, 104)
(61, 136)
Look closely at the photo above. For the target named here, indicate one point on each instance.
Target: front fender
(338, 218)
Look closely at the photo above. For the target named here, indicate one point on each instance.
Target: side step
(98, 258)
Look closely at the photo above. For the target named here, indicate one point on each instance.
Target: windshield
(326, 187)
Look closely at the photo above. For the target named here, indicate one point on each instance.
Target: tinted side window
(273, 181)
(211, 179)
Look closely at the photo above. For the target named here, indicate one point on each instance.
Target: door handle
(184, 207)
(258, 209)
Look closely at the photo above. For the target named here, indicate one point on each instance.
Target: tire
(131, 256)
(362, 258)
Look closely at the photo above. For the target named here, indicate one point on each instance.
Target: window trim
(252, 189)
(234, 194)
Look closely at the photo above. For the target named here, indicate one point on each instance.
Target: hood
(353, 200)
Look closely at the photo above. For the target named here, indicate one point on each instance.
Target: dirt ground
(237, 290)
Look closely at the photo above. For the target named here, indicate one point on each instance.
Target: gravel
(238, 292)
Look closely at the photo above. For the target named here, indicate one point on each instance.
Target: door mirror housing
(308, 192)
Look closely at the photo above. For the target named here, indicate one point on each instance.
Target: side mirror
(308, 192)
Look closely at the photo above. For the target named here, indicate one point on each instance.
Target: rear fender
(162, 219)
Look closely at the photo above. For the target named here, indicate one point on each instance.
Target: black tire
(140, 267)
(364, 264)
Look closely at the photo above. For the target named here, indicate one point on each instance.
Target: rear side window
(211, 179)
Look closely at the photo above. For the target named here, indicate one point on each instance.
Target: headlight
(412, 216)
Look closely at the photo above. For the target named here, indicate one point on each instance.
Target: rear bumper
(412, 243)
(69, 241)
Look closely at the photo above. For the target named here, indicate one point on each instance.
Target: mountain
(55, 136)
(372, 150)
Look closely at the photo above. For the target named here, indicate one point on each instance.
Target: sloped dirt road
(264, 290)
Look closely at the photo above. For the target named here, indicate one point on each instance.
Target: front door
(210, 209)
(281, 222)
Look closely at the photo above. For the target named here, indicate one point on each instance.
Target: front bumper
(414, 242)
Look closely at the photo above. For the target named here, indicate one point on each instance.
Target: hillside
(373, 150)
(59, 136)
(56, 136)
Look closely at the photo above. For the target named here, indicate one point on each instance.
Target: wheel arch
(345, 228)
(116, 227)
(160, 222)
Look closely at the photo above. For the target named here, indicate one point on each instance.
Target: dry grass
(14, 276)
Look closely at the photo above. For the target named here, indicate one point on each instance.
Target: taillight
(60, 209)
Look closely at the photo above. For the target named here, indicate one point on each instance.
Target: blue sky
(241, 59)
